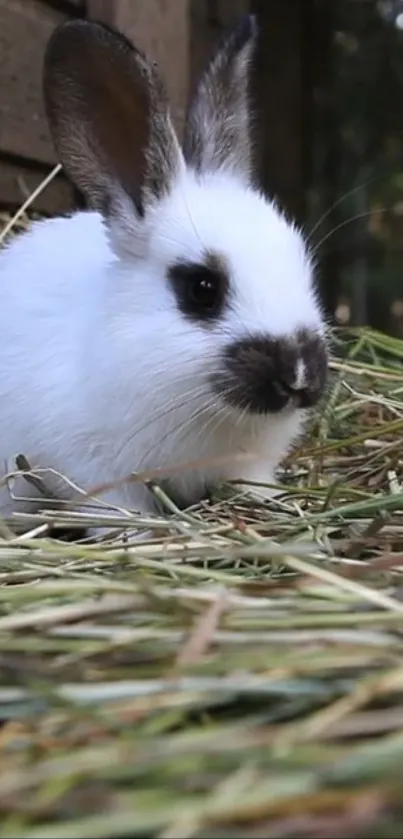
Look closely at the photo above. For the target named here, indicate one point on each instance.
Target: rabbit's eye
(200, 290)
(204, 291)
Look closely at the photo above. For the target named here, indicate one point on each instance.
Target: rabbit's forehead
(265, 257)
(220, 216)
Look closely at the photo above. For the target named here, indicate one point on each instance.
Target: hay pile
(240, 673)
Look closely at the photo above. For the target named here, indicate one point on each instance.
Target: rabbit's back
(50, 278)
(50, 281)
(50, 264)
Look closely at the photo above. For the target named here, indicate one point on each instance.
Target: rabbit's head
(221, 277)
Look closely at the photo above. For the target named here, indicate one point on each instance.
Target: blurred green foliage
(358, 154)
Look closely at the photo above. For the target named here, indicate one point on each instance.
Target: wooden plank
(73, 8)
(19, 180)
(25, 26)
(160, 28)
(326, 135)
(207, 23)
(278, 85)
(204, 32)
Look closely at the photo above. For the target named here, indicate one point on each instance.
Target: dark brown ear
(217, 131)
(108, 115)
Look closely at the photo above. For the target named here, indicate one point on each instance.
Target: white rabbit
(177, 319)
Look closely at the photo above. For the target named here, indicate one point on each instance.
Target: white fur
(100, 373)
(97, 365)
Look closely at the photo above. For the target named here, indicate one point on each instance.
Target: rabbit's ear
(217, 131)
(109, 117)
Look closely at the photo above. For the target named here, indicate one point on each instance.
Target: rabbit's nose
(264, 374)
(304, 383)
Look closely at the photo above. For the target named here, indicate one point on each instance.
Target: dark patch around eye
(201, 289)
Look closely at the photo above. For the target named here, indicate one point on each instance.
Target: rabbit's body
(69, 406)
(48, 306)
(147, 338)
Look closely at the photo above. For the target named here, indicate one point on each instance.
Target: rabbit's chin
(246, 448)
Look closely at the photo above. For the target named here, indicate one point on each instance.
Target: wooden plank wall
(26, 152)
(179, 35)
(207, 20)
(280, 88)
(159, 27)
(282, 99)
